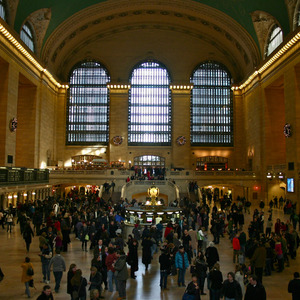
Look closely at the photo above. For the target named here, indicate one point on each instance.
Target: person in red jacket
(236, 248)
(110, 260)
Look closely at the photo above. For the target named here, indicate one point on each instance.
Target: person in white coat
(239, 277)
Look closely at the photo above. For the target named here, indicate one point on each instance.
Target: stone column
(181, 153)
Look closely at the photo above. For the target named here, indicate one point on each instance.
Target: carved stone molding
(293, 7)
(192, 14)
(40, 20)
(262, 22)
(12, 6)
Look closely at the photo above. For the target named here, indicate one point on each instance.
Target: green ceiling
(238, 9)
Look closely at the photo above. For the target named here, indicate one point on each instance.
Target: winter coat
(110, 259)
(146, 253)
(69, 285)
(96, 281)
(258, 259)
(216, 279)
(133, 259)
(81, 289)
(121, 272)
(228, 287)
(179, 260)
(212, 256)
(240, 279)
(25, 267)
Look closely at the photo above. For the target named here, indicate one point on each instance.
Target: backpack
(30, 271)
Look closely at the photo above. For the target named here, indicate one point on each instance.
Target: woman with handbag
(27, 274)
(200, 271)
(192, 291)
(79, 284)
(84, 237)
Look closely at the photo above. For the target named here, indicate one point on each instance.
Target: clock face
(181, 140)
(287, 131)
(117, 140)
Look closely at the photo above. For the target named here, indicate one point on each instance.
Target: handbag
(193, 269)
(87, 237)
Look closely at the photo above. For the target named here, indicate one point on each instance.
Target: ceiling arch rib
(198, 20)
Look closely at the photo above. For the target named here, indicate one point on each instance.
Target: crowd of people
(183, 247)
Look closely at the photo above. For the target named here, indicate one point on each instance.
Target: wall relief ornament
(40, 20)
(262, 23)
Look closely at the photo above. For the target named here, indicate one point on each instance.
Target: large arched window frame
(27, 36)
(3, 10)
(274, 40)
(211, 106)
(88, 105)
(150, 109)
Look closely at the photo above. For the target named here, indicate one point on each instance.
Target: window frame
(28, 36)
(3, 9)
(105, 105)
(168, 115)
(273, 39)
(207, 109)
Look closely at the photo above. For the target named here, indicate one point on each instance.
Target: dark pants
(259, 273)
(121, 286)
(181, 275)
(163, 278)
(214, 294)
(46, 271)
(57, 276)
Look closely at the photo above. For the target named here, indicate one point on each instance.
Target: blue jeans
(154, 249)
(57, 276)
(110, 279)
(46, 271)
(163, 279)
(181, 274)
(215, 294)
(27, 290)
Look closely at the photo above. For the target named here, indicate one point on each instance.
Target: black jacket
(257, 292)
(294, 288)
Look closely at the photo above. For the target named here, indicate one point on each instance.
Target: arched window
(27, 36)
(2, 10)
(275, 39)
(88, 105)
(211, 106)
(149, 118)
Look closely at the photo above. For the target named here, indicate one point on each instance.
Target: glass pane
(276, 38)
(88, 105)
(2, 10)
(149, 105)
(27, 36)
(211, 106)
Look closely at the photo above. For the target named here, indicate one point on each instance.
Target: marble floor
(146, 285)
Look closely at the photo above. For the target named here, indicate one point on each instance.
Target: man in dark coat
(255, 290)
(294, 287)
(212, 255)
(46, 294)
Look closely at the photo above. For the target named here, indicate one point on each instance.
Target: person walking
(165, 267)
(59, 266)
(215, 281)
(181, 263)
(27, 274)
(231, 289)
(146, 252)
(201, 271)
(46, 294)
(28, 235)
(79, 284)
(192, 290)
(9, 221)
(70, 275)
(121, 274)
(95, 281)
(46, 255)
(294, 286)
(133, 259)
(255, 290)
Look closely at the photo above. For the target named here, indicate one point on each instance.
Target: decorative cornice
(283, 53)
(11, 41)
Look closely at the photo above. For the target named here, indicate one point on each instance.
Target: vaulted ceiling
(123, 32)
